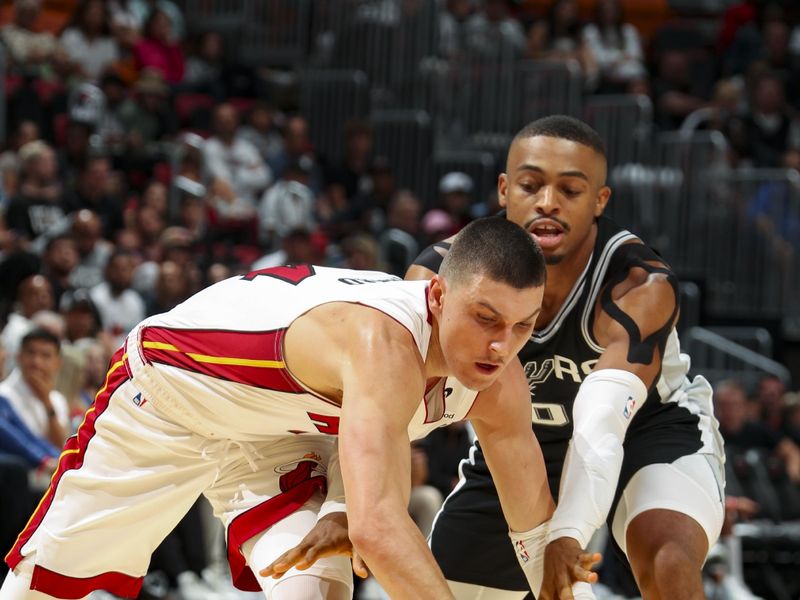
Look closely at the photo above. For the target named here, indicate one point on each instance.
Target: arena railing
(718, 358)
(753, 238)
(625, 122)
(328, 99)
(255, 32)
(405, 137)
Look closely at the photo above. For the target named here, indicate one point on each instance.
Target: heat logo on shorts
(630, 404)
(296, 472)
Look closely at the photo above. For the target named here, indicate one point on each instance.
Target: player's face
(482, 325)
(555, 189)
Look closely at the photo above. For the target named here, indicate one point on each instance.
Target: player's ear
(502, 189)
(436, 291)
(603, 194)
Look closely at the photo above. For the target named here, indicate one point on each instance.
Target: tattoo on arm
(641, 351)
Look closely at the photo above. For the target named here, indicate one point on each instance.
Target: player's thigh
(268, 498)
(327, 577)
(692, 485)
(469, 591)
(121, 486)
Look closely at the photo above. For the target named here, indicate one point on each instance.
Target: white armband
(605, 405)
(334, 501)
(529, 548)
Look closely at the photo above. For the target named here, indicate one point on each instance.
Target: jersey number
(327, 424)
(553, 415)
(293, 274)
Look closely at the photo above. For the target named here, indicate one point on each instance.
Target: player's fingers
(359, 566)
(581, 574)
(282, 564)
(587, 559)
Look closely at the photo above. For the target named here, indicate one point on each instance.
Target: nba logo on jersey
(630, 404)
(522, 552)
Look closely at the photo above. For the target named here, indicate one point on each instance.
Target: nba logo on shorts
(522, 552)
(138, 400)
(629, 406)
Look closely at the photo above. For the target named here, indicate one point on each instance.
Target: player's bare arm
(634, 318)
(501, 418)
(373, 367)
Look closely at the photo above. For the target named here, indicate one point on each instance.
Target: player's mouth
(487, 368)
(547, 233)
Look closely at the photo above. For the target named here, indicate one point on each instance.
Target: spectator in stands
(453, 30)
(559, 38)
(425, 500)
(140, 10)
(353, 169)
(231, 159)
(81, 319)
(297, 247)
(38, 206)
(110, 129)
(74, 152)
(763, 136)
(751, 42)
(30, 51)
(146, 115)
(455, 198)
(770, 393)
(399, 243)
(88, 41)
(726, 103)
(676, 94)
(93, 251)
(372, 204)
(10, 162)
(173, 286)
(288, 204)
(616, 49)
(205, 67)
(491, 32)
(437, 225)
(260, 130)
(338, 215)
(91, 192)
(360, 251)
(297, 143)
(58, 261)
(741, 434)
(157, 48)
(34, 294)
(120, 306)
(30, 389)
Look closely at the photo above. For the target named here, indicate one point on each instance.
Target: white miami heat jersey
(215, 363)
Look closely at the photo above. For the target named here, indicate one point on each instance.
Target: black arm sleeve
(431, 258)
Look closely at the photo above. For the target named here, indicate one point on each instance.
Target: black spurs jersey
(676, 419)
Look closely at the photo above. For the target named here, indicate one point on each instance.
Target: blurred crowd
(141, 164)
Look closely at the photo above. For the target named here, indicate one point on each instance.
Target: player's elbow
(370, 534)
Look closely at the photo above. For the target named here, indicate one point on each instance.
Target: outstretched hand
(327, 538)
(565, 563)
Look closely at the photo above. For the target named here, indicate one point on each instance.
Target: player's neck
(561, 278)
(435, 365)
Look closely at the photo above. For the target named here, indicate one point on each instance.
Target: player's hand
(327, 538)
(565, 563)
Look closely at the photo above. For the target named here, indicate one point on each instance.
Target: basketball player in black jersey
(625, 435)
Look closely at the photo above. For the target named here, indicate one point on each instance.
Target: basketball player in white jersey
(239, 394)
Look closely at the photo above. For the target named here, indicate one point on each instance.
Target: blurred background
(150, 148)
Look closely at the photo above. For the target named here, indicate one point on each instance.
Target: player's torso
(216, 364)
(559, 357)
